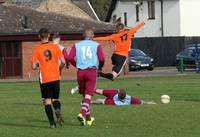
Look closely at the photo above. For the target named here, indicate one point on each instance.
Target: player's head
(119, 27)
(88, 33)
(56, 38)
(44, 34)
(122, 94)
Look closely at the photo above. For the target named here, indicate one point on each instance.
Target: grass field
(22, 115)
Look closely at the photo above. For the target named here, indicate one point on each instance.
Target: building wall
(171, 18)
(70, 73)
(151, 28)
(190, 17)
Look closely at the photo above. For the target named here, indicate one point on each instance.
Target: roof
(86, 7)
(13, 19)
(79, 8)
(26, 3)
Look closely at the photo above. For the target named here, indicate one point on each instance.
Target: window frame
(151, 10)
(137, 13)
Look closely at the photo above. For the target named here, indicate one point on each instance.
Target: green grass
(22, 115)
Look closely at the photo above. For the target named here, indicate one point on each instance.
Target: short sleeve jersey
(47, 56)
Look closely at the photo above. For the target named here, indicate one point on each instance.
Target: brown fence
(164, 49)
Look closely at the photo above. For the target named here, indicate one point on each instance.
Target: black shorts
(118, 61)
(50, 90)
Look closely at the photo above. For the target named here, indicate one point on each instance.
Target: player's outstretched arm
(65, 54)
(62, 65)
(106, 38)
(149, 102)
(111, 37)
(34, 61)
(101, 57)
(137, 27)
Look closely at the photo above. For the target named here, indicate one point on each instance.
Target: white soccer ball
(165, 99)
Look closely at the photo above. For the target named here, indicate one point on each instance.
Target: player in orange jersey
(122, 40)
(46, 56)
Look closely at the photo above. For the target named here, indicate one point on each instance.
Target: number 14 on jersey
(86, 52)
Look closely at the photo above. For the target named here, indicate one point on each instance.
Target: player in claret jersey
(122, 40)
(118, 98)
(87, 56)
(47, 55)
(56, 40)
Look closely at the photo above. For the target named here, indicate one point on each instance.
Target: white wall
(180, 17)
(171, 18)
(190, 17)
(152, 28)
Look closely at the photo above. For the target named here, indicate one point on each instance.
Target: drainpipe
(125, 18)
(162, 29)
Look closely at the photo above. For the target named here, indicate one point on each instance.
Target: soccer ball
(165, 99)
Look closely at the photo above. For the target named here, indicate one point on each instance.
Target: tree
(101, 7)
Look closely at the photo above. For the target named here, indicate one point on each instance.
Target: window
(137, 13)
(151, 9)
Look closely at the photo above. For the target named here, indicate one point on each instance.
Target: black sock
(56, 105)
(49, 113)
(107, 75)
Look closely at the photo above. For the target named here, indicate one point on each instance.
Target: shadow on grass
(21, 125)
(66, 123)
(28, 104)
(37, 121)
(193, 100)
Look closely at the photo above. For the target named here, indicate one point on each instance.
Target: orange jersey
(122, 40)
(47, 55)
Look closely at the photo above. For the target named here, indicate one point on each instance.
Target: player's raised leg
(119, 62)
(98, 101)
(74, 90)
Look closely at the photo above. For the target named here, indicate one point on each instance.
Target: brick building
(18, 36)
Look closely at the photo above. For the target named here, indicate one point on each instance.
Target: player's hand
(67, 65)
(143, 23)
(99, 72)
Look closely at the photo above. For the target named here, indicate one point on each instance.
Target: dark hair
(122, 94)
(56, 35)
(44, 33)
(119, 26)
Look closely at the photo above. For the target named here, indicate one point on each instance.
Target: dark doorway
(10, 59)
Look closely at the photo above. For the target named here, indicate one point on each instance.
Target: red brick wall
(70, 73)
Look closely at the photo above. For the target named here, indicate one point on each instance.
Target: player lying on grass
(118, 98)
(122, 40)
